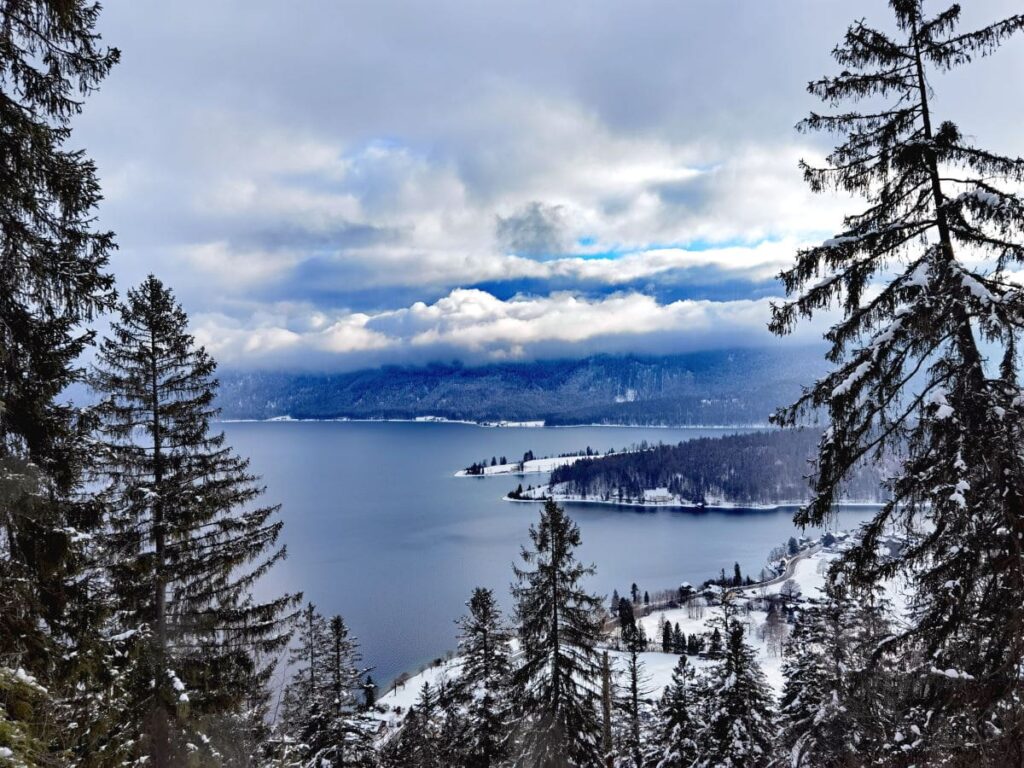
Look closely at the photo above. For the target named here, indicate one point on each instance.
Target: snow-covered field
(809, 575)
(532, 467)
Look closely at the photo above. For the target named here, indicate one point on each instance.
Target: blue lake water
(379, 530)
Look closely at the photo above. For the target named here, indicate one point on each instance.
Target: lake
(379, 530)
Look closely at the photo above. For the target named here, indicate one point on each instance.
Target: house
(658, 496)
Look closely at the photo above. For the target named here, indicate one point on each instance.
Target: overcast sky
(333, 184)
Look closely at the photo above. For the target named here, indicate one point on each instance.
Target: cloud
(476, 326)
(536, 230)
(356, 161)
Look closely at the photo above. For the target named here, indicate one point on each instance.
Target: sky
(332, 184)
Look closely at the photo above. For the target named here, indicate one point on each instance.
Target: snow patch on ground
(532, 467)
(654, 498)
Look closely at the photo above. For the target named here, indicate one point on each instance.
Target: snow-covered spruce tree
(715, 647)
(306, 668)
(53, 279)
(738, 722)
(675, 744)
(837, 706)
(338, 732)
(556, 683)
(926, 366)
(417, 744)
(484, 680)
(607, 688)
(631, 698)
(814, 720)
(187, 541)
(453, 734)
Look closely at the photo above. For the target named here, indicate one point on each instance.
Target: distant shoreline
(500, 424)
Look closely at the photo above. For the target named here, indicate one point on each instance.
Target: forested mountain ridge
(741, 386)
(759, 468)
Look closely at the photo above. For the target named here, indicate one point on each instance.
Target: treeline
(710, 388)
(757, 468)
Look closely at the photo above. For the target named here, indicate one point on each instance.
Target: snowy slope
(808, 570)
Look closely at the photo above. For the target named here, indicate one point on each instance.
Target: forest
(708, 387)
(758, 468)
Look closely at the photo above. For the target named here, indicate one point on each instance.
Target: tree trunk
(161, 740)
(606, 711)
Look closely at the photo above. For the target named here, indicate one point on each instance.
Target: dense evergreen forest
(132, 538)
(759, 468)
(712, 387)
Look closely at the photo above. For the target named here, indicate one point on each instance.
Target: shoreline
(679, 505)
(503, 424)
(810, 549)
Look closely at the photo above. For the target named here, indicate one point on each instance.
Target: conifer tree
(187, 538)
(418, 742)
(627, 618)
(631, 750)
(53, 280)
(323, 719)
(397, 751)
(454, 735)
(675, 745)
(715, 648)
(369, 693)
(739, 725)
(556, 683)
(346, 738)
(679, 645)
(484, 680)
(838, 706)
(926, 364)
(306, 668)
(607, 740)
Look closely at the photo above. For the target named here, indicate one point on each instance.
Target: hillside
(720, 387)
(761, 468)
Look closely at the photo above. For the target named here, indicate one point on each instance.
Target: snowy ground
(397, 701)
(808, 573)
(656, 500)
(808, 570)
(532, 467)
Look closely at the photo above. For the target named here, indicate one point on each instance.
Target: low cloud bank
(475, 326)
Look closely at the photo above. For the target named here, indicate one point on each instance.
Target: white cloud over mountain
(473, 325)
(358, 182)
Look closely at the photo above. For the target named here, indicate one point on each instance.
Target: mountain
(741, 386)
